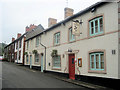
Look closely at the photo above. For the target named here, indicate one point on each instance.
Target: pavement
(81, 83)
(73, 83)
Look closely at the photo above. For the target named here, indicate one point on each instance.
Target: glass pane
(102, 65)
(92, 58)
(102, 57)
(101, 21)
(91, 24)
(97, 61)
(96, 26)
(102, 61)
(92, 61)
(96, 22)
(92, 30)
(56, 61)
(101, 24)
(72, 60)
(92, 64)
(71, 36)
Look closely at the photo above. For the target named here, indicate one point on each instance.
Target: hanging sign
(76, 28)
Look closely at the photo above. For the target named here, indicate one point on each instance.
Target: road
(0, 75)
(14, 76)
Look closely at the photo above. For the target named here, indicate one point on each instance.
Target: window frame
(56, 39)
(70, 35)
(38, 59)
(37, 41)
(93, 70)
(20, 43)
(56, 68)
(95, 61)
(27, 45)
(27, 59)
(90, 35)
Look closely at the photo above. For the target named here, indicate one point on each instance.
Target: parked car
(1, 58)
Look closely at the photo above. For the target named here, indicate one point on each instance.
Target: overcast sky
(15, 15)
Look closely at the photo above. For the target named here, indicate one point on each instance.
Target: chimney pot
(13, 39)
(18, 35)
(32, 26)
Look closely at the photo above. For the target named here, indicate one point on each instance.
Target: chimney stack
(51, 21)
(68, 12)
(27, 28)
(18, 35)
(32, 26)
(13, 39)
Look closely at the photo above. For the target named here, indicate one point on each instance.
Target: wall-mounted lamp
(30, 53)
(63, 24)
(93, 10)
(69, 50)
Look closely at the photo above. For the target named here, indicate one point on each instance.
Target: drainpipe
(45, 54)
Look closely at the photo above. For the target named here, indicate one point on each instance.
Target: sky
(15, 15)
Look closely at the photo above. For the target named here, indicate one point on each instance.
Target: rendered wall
(83, 44)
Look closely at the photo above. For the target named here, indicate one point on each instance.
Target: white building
(93, 55)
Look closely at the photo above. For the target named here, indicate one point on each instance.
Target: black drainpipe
(45, 54)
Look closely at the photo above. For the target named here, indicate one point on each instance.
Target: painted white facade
(84, 44)
(17, 60)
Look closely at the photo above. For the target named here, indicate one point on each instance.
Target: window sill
(97, 71)
(57, 45)
(96, 35)
(37, 46)
(56, 68)
(71, 41)
(37, 63)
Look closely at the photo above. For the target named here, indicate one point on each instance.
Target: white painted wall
(17, 50)
(108, 42)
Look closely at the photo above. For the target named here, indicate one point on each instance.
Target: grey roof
(96, 5)
(31, 34)
(16, 39)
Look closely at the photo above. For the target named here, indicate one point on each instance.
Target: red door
(72, 66)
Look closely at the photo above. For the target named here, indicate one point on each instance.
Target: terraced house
(9, 51)
(32, 52)
(93, 54)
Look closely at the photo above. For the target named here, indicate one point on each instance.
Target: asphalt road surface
(14, 76)
(0, 75)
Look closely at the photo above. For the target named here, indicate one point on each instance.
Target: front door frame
(71, 77)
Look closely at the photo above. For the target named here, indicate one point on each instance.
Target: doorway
(72, 66)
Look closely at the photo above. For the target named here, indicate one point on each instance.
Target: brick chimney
(32, 26)
(51, 21)
(27, 28)
(18, 35)
(68, 12)
(13, 39)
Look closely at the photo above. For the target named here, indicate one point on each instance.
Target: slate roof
(40, 30)
(96, 5)
(31, 34)
(16, 40)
